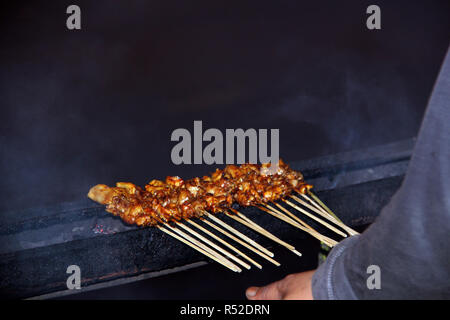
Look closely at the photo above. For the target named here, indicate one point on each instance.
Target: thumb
(269, 292)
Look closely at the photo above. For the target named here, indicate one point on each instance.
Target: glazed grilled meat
(176, 199)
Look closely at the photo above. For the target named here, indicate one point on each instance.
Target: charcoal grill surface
(37, 245)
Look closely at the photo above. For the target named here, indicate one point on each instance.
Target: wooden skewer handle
(206, 248)
(225, 243)
(316, 218)
(245, 244)
(193, 246)
(318, 202)
(241, 235)
(215, 246)
(252, 225)
(328, 241)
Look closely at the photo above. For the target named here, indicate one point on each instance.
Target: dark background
(98, 105)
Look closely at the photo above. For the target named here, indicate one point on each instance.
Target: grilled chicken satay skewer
(247, 185)
(174, 181)
(293, 178)
(279, 186)
(120, 205)
(120, 202)
(212, 198)
(222, 178)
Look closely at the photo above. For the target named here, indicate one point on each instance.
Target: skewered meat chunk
(101, 193)
(174, 181)
(119, 201)
(175, 199)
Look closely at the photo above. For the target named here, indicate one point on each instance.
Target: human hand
(295, 286)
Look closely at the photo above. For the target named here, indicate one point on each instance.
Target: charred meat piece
(175, 199)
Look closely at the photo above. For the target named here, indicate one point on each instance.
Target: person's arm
(409, 241)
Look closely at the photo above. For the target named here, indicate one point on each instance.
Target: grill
(37, 245)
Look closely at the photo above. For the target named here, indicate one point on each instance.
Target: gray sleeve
(409, 241)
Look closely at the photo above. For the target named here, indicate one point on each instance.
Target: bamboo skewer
(245, 244)
(324, 239)
(316, 199)
(215, 246)
(315, 204)
(330, 242)
(195, 247)
(206, 248)
(241, 235)
(313, 208)
(225, 243)
(328, 210)
(252, 225)
(267, 233)
(325, 214)
(310, 230)
(318, 203)
(290, 214)
(315, 218)
(349, 230)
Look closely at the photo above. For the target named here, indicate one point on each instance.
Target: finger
(269, 292)
(251, 293)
